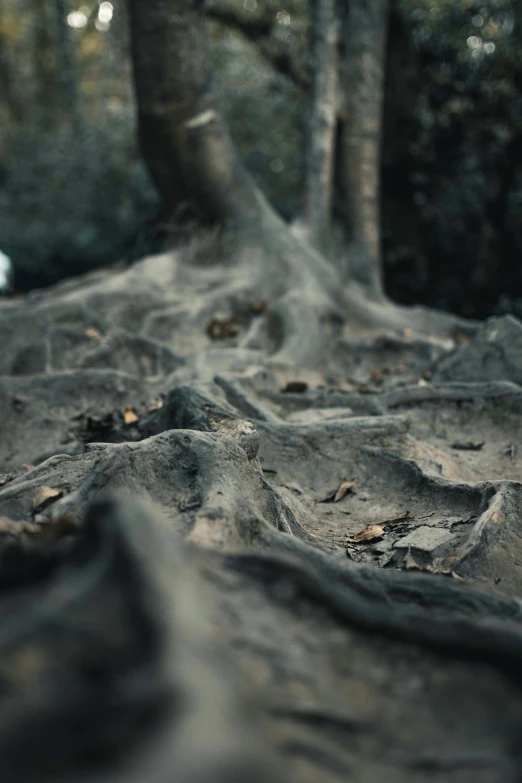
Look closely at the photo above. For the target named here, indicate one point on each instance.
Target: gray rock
(494, 354)
(424, 538)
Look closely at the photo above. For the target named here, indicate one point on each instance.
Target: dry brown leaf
(13, 526)
(462, 339)
(93, 334)
(221, 327)
(338, 494)
(345, 487)
(45, 496)
(32, 531)
(295, 387)
(468, 445)
(378, 376)
(258, 307)
(371, 533)
(409, 562)
(129, 416)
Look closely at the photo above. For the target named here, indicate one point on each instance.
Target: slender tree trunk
(45, 68)
(68, 68)
(8, 93)
(364, 27)
(183, 137)
(321, 131)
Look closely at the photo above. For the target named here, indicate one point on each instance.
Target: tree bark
(183, 137)
(364, 27)
(8, 94)
(192, 159)
(68, 68)
(321, 131)
(44, 66)
(259, 32)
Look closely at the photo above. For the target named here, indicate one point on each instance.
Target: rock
(493, 354)
(382, 547)
(425, 539)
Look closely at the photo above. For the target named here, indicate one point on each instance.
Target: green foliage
(74, 194)
(465, 156)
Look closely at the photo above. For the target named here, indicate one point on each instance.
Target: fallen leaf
(221, 327)
(443, 566)
(45, 529)
(295, 387)
(258, 307)
(338, 494)
(422, 382)
(409, 562)
(93, 334)
(370, 533)
(378, 376)
(498, 517)
(11, 525)
(461, 339)
(468, 445)
(129, 416)
(45, 496)
(17, 527)
(345, 487)
(408, 333)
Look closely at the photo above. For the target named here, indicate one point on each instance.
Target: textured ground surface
(217, 567)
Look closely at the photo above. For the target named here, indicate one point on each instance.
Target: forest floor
(215, 566)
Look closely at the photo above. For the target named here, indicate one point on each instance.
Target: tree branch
(259, 31)
(251, 28)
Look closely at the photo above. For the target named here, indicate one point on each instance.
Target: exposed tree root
(280, 631)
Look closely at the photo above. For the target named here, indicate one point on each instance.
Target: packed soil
(219, 562)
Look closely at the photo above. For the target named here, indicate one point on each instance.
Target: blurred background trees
(74, 193)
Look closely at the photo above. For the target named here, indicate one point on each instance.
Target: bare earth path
(221, 563)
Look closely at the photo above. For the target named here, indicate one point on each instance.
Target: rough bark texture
(322, 123)
(183, 138)
(364, 25)
(68, 72)
(8, 94)
(45, 67)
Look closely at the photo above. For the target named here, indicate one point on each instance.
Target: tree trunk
(364, 26)
(183, 137)
(8, 93)
(69, 70)
(321, 131)
(192, 159)
(44, 65)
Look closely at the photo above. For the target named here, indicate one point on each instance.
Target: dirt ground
(217, 564)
